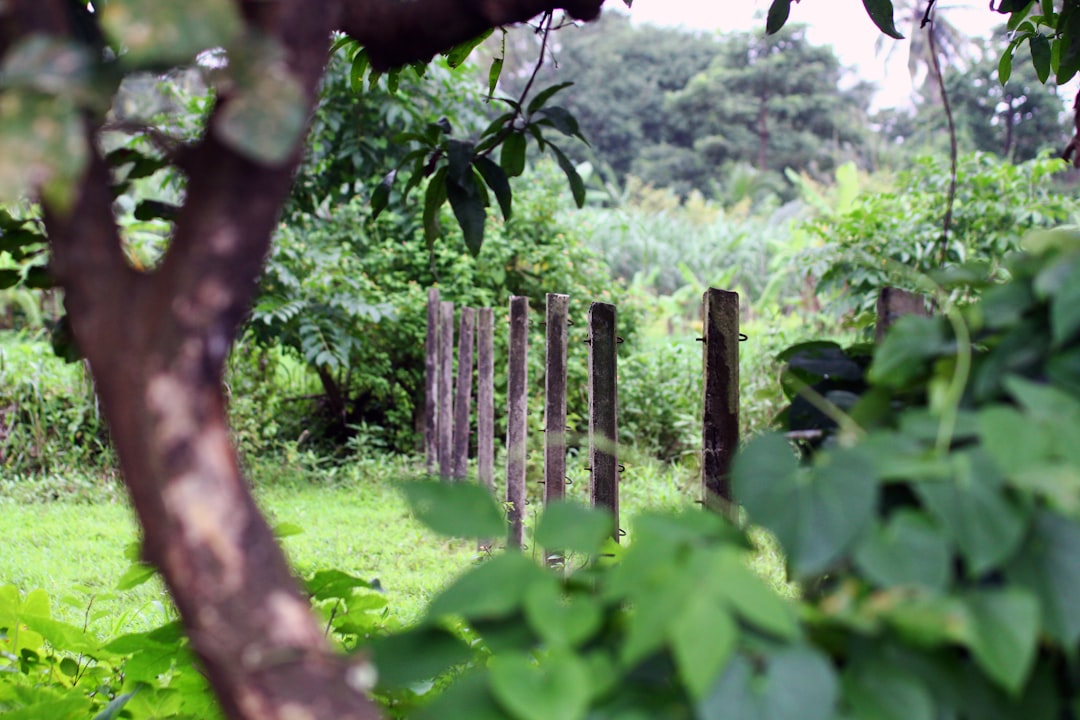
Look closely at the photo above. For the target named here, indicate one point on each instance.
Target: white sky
(840, 23)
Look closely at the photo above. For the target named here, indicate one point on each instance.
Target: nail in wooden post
(555, 399)
(446, 388)
(431, 382)
(603, 410)
(485, 400)
(516, 419)
(463, 396)
(720, 427)
(892, 303)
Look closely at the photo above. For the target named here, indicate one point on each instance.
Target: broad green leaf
(414, 655)
(881, 12)
(544, 95)
(1013, 439)
(752, 600)
(561, 619)
(908, 347)
(778, 16)
(9, 278)
(1048, 564)
(380, 198)
(798, 684)
(909, 549)
(112, 710)
(331, 584)
(136, 574)
(660, 598)
(512, 156)
(459, 158)
(577, 185)
(494, 73)
(434, 198)
(877, 690)
(469, 209)
(702, 639)
(571, 527)
(734, 695)
(1004, 635)
(496, 179)
(562, 120)
(460, 53)
(164, 33)
(975, 509)
(468, 698)
(1005, 63)
(495, 588)
(61, 635)
(265, 119)
(1040, 56)
(463, 510)
(557, 687)
(69, 707)
(42, 148)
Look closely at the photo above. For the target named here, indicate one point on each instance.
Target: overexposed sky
(843, 24)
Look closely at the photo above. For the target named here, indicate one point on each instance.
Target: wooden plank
(431, 382)
(603, 410)
(485, 399)
(720, 416)
(446, 388)
(893, 303)
(517, 414)
(463, 394)
(555, 398)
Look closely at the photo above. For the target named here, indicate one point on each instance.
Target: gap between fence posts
(720, 414)
(603, 410)
(463, 397)
(446, 388)
(485, 404)
(517, 395)
(893, 303)
(431, 382)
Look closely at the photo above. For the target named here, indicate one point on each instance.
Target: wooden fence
(447, 408)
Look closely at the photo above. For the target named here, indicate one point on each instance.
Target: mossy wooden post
(485, 403)
(555, 399)
(603, 410)
(720, 426)
(517, 398)
(446, 388)
(431, 382)
(463, 396)
(892, 303)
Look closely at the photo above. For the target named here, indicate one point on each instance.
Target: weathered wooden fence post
(446, 388)
(720, 426)
(517, 397)
(555, 398)
(892, 303)
(603, 410)
(431, 382)
(463, 398)
(485, 404)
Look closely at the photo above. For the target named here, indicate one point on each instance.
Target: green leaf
(556, 688)
(878, 690)
(357, 69)
(568, 526)
(495, 588)
(1048, 564)
(778, 16)
(468, 698)
(1005, 63)
(562, 120)
(334, 584)
(499, 183)
(434, 198)
(512, 156)
(136, 574)
(561, 619)
(463, 510)
(909, 549)
(1040, 56)
(752, 600)
(1012, 439)
(544, 95)
(160, 34)
(798, 684)
(380, 198)
(1004, 634)
(414, 655)
(9, 278)
(577, 185)
(42, 148)
(702, 638)
(974, 508)
(815, 514)
(112, 710)
(881, 12)
(494, 73)
(911, 343)
(460, 53)
(469, 209)
(265, 119)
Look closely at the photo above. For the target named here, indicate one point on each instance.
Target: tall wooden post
(516, 419)
(720, 426)
(603, 410)
(463, 396)
(431, 382)
(485, 400)
(892, 303)
(555, 398)
(446, 388)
